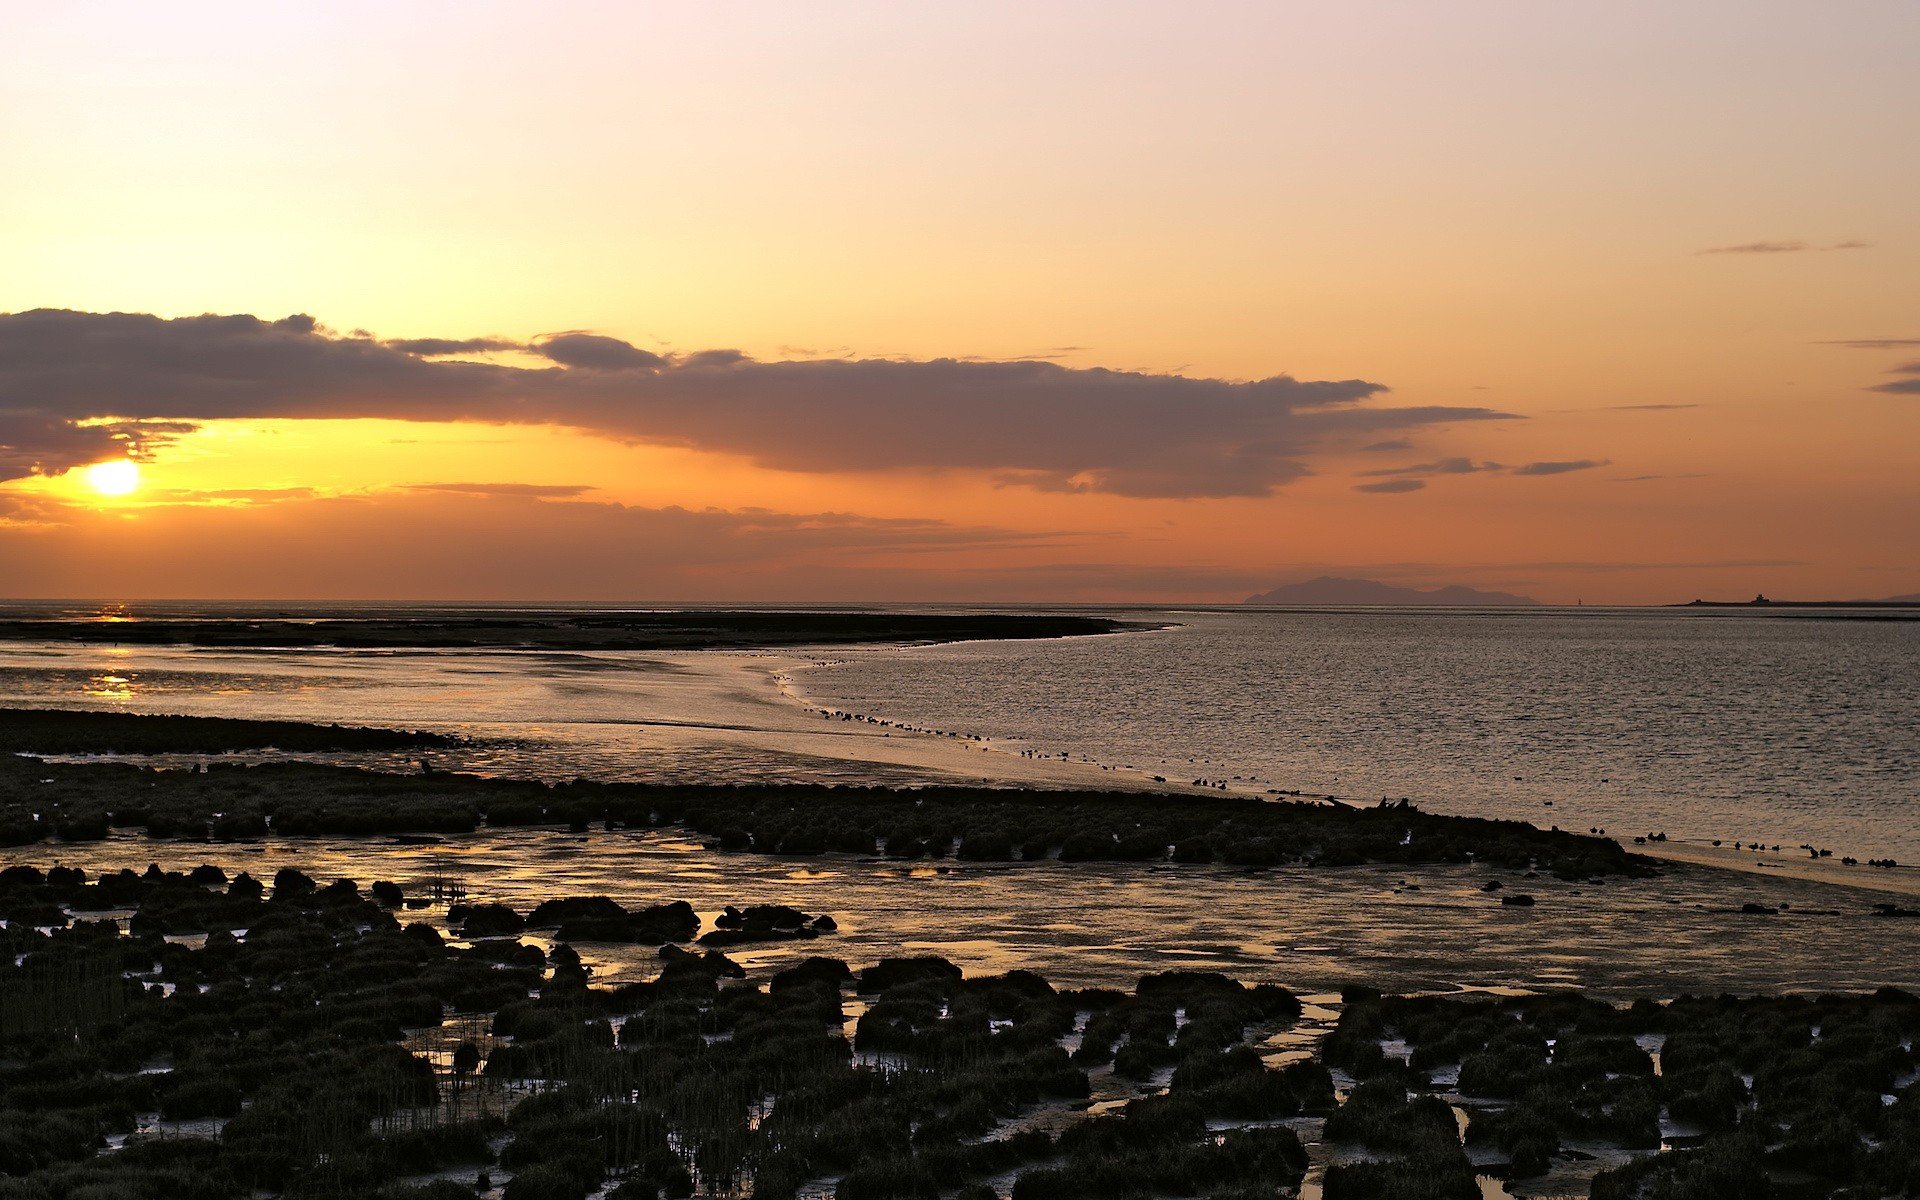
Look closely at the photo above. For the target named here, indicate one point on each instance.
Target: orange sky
(1565, 290)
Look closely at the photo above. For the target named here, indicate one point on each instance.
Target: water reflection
(1096, 925)
(106, 686)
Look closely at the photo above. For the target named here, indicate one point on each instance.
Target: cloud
(537, 491)
(260, 495)
(1650, 478)
(1391, 486)
(1898, 387)
(1560, 468)
(19, 510)
(593, 352)
(441, 347)
(1757, 248)
(1467, 466)
(1388, 446)
(1901, 387)
(1790, 247)
(1033, 423)
(1629, 408)
(1443, 466)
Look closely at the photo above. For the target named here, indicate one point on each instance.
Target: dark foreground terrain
(201, 1035)
(64, 731)
(561, 630)
(75, 802)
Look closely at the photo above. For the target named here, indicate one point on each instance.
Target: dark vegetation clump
(233, 802)
(766, 923)
(236, 1039)
(61, 731)
(1757, 1097)
(212, 1036)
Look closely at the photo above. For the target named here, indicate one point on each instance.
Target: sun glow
(117, 478)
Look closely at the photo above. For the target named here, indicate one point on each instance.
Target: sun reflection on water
(106, 686)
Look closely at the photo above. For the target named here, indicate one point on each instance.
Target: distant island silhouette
(1329, 589)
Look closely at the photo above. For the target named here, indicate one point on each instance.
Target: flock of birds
(1227, 784)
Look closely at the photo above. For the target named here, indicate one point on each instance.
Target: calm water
(1091, 924)
(1734, 726)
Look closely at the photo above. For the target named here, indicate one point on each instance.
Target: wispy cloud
(1560, 468)
(1784, 247)
(1909, 386)
(1441, 466)
(1872, 343)
(1391, 486)
(1467, 466)
(536, 491)
(1628, 408)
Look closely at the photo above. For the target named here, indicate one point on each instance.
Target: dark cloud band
(1030, 423)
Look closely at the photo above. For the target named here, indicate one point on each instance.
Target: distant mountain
(1329, 590)
(1910, 598)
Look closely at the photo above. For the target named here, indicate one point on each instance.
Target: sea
(1724, 725)
(1800, 729)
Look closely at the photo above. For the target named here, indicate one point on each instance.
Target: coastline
(711, 706)
(1899, 881)
(935, 754)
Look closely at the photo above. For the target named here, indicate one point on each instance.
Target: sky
(1613, 302)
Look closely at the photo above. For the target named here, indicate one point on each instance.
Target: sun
(117, 478)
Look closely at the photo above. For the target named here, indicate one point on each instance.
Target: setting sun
(117, 478)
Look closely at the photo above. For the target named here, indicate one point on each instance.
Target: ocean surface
(1740, 726)
(1733, 726)
(1730, 725)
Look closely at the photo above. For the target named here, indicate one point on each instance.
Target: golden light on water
(109, 686)
(117, 478)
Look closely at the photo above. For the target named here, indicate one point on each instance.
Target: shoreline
(1899, 881)
(753, 702)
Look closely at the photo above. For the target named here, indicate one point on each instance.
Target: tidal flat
(201, 1034)
(305, 979)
